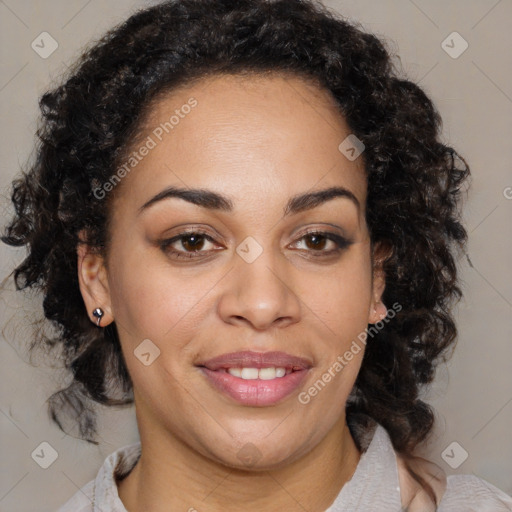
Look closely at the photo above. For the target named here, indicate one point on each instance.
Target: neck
(171, 476)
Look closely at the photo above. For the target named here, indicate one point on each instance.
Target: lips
(255, 392)
(249, 359)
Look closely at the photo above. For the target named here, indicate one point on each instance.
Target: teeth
(236, 372)
(258, 373)
(267, 373)
(249, 373)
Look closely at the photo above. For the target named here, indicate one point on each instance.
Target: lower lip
(255, 392)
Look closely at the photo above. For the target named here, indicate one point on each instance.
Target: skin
(258, 141)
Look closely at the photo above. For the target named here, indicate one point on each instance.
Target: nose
(260, 294)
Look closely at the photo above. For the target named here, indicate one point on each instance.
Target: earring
(98, 313)
(383, 310)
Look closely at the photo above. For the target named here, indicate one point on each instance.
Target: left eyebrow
(214, 201)
(311, 200)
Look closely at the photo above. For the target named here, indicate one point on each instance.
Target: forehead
(243, 135)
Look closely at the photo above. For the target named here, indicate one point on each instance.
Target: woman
(243, 221)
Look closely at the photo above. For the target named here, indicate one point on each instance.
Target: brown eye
(193, 242)
(315, 241)
(188, 245)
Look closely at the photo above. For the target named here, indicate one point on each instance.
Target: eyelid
(325, 227)
(318, 230)
(188, 232)
(340, 240)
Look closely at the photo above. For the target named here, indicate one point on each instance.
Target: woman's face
(245, 276)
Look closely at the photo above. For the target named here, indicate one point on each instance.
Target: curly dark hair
(414, 186)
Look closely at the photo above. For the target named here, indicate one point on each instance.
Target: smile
(256, 379)
(258, 373)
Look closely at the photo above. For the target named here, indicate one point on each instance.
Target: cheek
(150, 301)
(341, 298)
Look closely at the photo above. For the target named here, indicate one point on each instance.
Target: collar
(375, 481)
(116, 466)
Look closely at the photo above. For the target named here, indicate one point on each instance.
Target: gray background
(472, 394)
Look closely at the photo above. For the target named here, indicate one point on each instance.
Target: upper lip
(249, 359)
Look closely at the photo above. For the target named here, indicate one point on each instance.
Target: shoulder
(456, 493)
(468, 493)
(81, 501)
(103, 489)
(423, 483)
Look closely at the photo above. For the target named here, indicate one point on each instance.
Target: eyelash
(165, 245)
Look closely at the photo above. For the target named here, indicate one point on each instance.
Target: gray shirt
(374, 486)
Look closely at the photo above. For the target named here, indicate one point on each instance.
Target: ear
(378, 309)
(92, 278)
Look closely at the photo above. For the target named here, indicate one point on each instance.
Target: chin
(257, 455)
